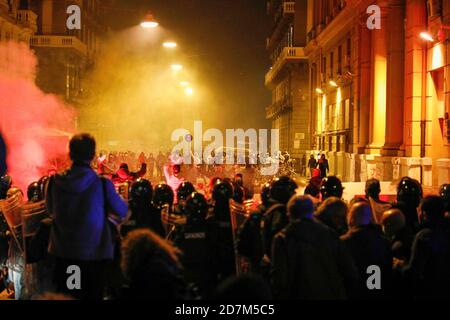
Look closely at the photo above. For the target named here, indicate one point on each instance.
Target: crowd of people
(173, 239)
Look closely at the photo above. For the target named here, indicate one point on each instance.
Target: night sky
(226, 40)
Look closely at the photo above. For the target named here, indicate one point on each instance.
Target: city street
(209, 150)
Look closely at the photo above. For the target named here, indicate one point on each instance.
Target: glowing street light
(319, 91)
(184, 83)
(189, 91)
(149, 22)
(176, 67)
(170, 45)
(426, 36)
(333, 83)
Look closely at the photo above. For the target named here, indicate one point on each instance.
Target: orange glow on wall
(437, 57)
(324, 112)
(338, 110)
(379, 101)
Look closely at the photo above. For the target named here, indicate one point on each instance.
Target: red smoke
(36, 126)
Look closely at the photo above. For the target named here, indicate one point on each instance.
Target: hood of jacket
(77, 179)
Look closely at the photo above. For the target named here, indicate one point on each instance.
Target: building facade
(380, 98)
(288, 78)
(17, 22)
(65, 55)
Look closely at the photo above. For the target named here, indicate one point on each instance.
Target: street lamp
(189, 91)
(176, 67)
(333, 83)
(149, 22)
(170, 44)
(440, 34)
(426, 36)
(319, 91)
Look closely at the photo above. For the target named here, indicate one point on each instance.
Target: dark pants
(93, 278)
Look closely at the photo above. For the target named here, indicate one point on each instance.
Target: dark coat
(275, 220)
(368, 247)
(309, 262)
(429, 266)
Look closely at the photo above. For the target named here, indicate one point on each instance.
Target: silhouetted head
(333, 213)
(34, 193)
(300, 207)
(373, 189)
(141, 191)
(432, 210)
(444, 192)
(409, 191)
(196, 208)
(82, 148)
(184, 190)
(282, 189)
(360, 215)
(393, 221)
(331, 187)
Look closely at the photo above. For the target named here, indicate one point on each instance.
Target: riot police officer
(5, 184)
(249, 242)
(444, 192)
(197, 241)
(183, 192)
(163, 195)
(331, 187)
(281, 190)
(143, 213)
(221, 223)
(409, 196)
(34, 192)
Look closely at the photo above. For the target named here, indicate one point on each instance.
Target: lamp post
(149, 22)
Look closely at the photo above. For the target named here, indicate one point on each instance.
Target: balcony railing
(70, 42)
(285, 10)
(278, 107)
(27, 18)
(289, 54)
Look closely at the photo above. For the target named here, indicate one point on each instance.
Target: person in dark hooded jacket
(81, 204)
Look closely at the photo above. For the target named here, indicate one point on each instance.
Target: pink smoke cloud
(36, 126)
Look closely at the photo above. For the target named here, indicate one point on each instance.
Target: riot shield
(239, 213)
(11, 209)
(32, 215)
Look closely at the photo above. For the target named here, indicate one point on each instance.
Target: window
(290, 36)
(332, 64)
(347, 114)
(348, 54)
(339, 70)
(324, 69)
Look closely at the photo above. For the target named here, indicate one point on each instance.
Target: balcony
(68, 42)
(288, 55)
(277, 108)
(281, 16)
(27, 19)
